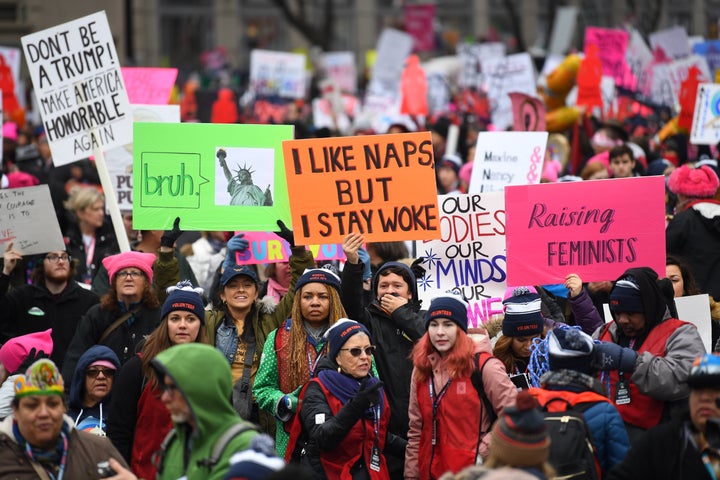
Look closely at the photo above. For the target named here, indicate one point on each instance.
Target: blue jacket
(89, 418)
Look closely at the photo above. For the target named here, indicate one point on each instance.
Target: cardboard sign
(507, 158)
(267, 247)
(528, 113)
(514, 73)
(706, 118)
(592, 228)
(120, 160)
(340, 68)
(183, 169)
(638, 57)
(419, 24)
(76, 74)
(673, 41)
(277, 73)
(438, 96)
(470, 254)
(392, 48)
(696, 309)
(611, 46)
(382, 186)
(150, 86)
(470, 56)
(28, 220)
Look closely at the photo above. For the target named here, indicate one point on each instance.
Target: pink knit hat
(699, 182)
(14, 352)
(143, 261)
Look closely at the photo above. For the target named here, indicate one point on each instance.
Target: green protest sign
(212, 176)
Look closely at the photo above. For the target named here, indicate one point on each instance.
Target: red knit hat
(699, 182)
(140, 260)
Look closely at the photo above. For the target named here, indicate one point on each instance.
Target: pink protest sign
(419, 24)
(611, 48)
(149, 86)
(596, 229)
(266, 247)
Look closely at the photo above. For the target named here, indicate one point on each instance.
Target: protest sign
(151, 86)
(213, 176)
(711, 51)
(10, 83)
(563, 30)
(418, 21)
(325, 117)
(506, 158)
(687, 97)
(438, 96)
(638, 57)
(382, 186)
(514, 73)
(470, 56)
(673, 41)
(267, 247)
(392, 48)
(79, 87)
(611, 46)
(706, 118)
(528, 113)
(667, 78)
(696, 309)
(119, 160)
(277, 73)
(470, 254)
(340, 68)
(27, 219)
(594, 229)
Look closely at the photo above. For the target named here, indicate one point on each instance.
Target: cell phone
(520, 380)
(104, 470)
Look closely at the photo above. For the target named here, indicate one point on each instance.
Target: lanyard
(63, 460)
(706, 461)
(435, 404)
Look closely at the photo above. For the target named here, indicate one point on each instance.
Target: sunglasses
(357, 351)
(94, 372)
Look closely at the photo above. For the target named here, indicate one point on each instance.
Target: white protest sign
(706, 117)
(277, 73)
(470, 56)
(438, 93)
(27, 219)
(119, 160)
(470, 254)
(673, 41)
(667, 78)
(79, 87)
(514, 73)
(696, 310)
(638, 57)
(563, 30)
(507, 158)
(340, 67)
(392, 48)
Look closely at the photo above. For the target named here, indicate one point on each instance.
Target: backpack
(572, 453)
(476, 378)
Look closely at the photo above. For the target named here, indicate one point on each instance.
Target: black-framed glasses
(94, 372)
(55, 258)
(125, 274)
(356, 351)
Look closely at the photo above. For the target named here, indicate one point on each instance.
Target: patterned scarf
(52, 461)
(344, 388)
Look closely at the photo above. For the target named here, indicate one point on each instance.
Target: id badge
(375, 459)
(622, 393)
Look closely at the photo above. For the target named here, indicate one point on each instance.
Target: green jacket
(203, 377)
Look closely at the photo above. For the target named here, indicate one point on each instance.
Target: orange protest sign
(382, 186)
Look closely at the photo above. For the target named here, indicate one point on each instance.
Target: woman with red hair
(449, 421)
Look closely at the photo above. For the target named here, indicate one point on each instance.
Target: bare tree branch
(515, 23)
(321, 35)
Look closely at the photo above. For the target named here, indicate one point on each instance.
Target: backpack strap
(158, 458)
(222, 442)
(480, 360)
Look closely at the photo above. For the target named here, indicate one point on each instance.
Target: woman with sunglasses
(92, 383)
(140, 420)
(341, 429)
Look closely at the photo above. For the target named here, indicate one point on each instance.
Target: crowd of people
(174, 361)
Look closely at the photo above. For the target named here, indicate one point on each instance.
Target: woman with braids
(290, 353)
(139, 414)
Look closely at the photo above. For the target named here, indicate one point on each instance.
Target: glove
(170, 236)
(417, 269)
(285, 233)
(31, 358)
(286, 406)
(368, 395)
(365, 259)
(235, 244)
(611, 356)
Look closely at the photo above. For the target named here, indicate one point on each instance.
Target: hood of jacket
(709, 213)
(406, 269)
(203, 376)
(656, 303)
(93, 354)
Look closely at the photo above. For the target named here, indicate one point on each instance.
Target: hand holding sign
(351, 246)
(285, 233)
(10, 259)
(573, 283)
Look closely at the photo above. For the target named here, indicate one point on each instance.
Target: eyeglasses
(125, 274)
(55, 258)
(94, 372)
(357, 351)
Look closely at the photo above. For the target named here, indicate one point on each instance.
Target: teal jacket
(203, 377)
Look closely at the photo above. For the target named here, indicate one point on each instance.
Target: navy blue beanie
(318, 275)
(448, 306)
(522, 314)
(571, 349)
(340, 332)
(184, 297)
(625, 297)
